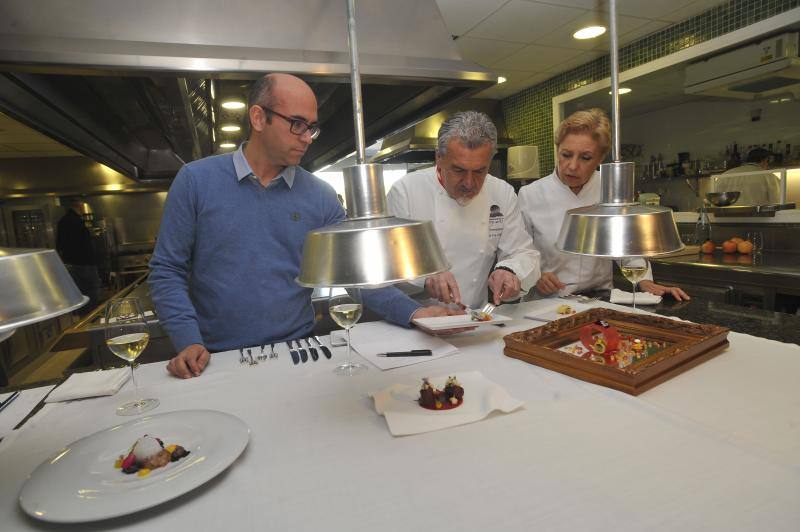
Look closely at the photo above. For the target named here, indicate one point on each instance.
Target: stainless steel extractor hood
(766, 69)
(417, 143)
(137, 86)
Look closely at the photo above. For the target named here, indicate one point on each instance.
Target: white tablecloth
(716, 448)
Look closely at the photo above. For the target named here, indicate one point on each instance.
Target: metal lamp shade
(618, 226)
(370, 248)
(371, 252)
(35, 286)
(619, 231)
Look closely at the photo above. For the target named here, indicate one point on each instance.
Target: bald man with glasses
(232, 234)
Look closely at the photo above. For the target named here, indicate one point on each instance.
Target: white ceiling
(17, 140)
(530, 41)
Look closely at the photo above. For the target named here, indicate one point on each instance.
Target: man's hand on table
(504, 285)
(549, 283)
(443, 286)
(190, 362)
(435, 311)
(660, 290)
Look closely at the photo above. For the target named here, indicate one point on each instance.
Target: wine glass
(345, 309)
(127, 335)
(634, 269)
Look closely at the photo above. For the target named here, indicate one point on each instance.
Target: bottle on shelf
(702, 230)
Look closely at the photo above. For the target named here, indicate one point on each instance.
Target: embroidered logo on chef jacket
(496, 220)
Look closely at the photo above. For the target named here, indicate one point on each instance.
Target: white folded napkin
(621, 297)
(90, 384)
(398, 404)
(375, 337)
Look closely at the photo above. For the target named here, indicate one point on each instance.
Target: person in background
(583, 140)
(231, 238)
(74, 246)
(756, 189)
(475, 216)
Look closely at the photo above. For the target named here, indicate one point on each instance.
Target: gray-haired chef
(475, 215)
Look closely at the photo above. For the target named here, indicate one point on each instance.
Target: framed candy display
(620, 350)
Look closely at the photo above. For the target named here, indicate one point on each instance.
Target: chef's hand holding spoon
(549, 283)
(443, 286)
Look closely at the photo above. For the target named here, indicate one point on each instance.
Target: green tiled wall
(528, 114)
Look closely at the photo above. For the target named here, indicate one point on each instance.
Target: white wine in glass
(127, 335)
(345, 309)
(634, 270)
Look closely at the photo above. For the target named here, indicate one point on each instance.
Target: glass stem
(349, 349)
(133, 378)
(634, 294)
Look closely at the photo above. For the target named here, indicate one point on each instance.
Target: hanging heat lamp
(370, 248)
(618, 226)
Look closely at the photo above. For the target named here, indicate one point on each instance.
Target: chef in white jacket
(475, 215)
(583, 140)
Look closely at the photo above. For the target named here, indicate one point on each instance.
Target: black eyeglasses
(296, 125)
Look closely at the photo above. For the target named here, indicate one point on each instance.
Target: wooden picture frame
(686, 345)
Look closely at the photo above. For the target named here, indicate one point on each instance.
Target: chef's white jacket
(473, 236)
(543, 204)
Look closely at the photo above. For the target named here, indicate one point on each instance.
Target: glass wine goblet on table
(127, 335)
(345, 309)
(633, 269)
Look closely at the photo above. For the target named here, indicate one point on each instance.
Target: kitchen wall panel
(135, 217)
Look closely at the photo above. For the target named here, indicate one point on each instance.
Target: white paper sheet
(375, 337)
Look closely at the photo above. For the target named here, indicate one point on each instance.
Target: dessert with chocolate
(451, 396)
(149, 453)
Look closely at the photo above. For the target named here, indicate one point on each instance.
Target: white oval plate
(455, 322)
(80, 483)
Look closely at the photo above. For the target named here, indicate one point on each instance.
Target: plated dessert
(565, 310)
(451, 396)
(147, 454)
(479, 315)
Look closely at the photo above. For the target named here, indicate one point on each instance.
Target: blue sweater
(229, 250)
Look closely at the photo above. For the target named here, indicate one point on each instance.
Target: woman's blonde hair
(591, 121)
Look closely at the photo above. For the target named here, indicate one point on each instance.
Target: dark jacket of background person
(74, 241)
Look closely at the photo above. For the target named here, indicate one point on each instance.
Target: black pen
(412, 353)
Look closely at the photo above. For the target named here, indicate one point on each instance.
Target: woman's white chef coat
(543, 204)
(473, 236)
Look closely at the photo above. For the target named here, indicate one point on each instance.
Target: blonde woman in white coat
(583, 140)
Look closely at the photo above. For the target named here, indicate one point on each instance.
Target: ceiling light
(589, 32)
(233, 104)
(623, 90)
(501, 79)
(227, 145)
(230, 128)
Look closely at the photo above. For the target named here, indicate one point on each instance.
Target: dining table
(716, 447)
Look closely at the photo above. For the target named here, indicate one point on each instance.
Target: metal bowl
(723, 199)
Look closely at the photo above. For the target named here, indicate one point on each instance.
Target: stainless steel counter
(768, 281)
